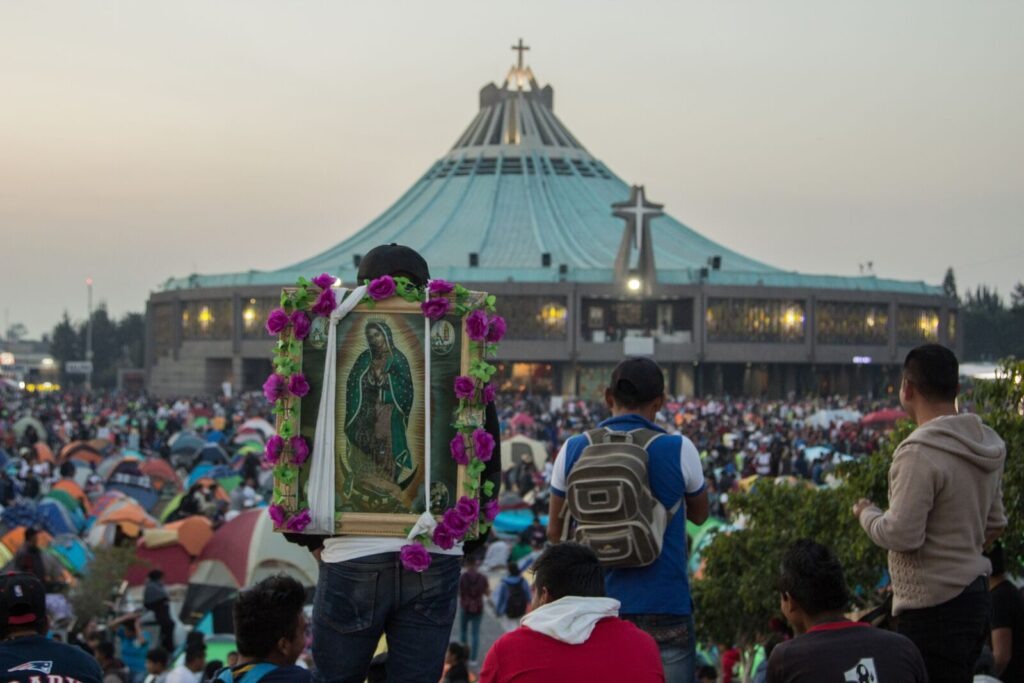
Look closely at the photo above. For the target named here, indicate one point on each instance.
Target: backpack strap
(646, 437)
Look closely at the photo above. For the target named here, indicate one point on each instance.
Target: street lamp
(634, 284)
(88, 335)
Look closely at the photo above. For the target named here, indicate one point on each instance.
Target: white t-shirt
(182, 674)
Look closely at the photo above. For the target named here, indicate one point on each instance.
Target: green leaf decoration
(488, 488)
(303, 282)
(470, 486)
(287, 429)
(490, 301)
(294, 347)
(285, 473)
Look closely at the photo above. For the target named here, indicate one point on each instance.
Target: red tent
(174, 560)
(881, 417)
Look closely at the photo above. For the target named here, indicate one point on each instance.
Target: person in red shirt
(574, 633)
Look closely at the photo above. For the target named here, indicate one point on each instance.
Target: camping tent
(242, 552)
(191, 533)
(884, 417)
(72, 552)
(512, 451)
(128, 478)
(173, 560)
(161, 476)
(81, 450)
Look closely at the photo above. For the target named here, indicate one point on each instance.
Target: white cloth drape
(321, 471)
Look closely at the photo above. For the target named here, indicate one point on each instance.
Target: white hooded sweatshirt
(570, 619)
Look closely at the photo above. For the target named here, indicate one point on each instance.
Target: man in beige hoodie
(945, 506)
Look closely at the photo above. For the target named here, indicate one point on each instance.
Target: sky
(143, 140)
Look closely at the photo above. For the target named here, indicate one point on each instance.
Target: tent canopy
(513, 450)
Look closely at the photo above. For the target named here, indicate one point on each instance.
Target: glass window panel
(756, 320)
(206, 319)
(844, 322)
(163, 328)
(917, 325)
(254, 315)
(535, 318)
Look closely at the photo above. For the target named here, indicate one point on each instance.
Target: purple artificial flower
(300, 449)
(414, 557)
(490, 391)
(277, 514)
(325, 303)
(300, 325)
(465, 387)
(491, 510)
(468, 508)
(276, 321)
(476, 325)
(435, 309)
(497, 329)
(483, 444)
(324, 281)
(272, 451)
(443, 537)
(382, 288)
(298, 385)
(458, 524)
(299, 521)
(273, 388)
(440, 287)
(458, 449)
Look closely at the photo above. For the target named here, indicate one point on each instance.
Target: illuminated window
(535, 318)
(756, 320)
(206, 319)
(254, 316)
(917, 325)
(844, 322)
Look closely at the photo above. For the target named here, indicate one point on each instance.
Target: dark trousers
(950, 636)
(162, 613)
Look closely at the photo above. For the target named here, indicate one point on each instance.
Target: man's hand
(317, 552)
(860, 506)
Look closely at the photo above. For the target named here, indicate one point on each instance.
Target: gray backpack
(609, 498)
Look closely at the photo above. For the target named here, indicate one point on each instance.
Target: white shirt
(182, 674)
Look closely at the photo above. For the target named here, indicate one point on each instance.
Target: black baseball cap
(637, 381)
(22, 601)
(393, 259)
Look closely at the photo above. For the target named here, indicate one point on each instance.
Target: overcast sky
(143, 140)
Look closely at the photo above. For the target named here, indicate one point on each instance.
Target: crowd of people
(599, 591)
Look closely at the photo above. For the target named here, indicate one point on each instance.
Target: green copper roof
(518, 185)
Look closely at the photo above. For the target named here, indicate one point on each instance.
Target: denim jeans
(471, 623)
(950, 636)
(359, 600)
(675, 638)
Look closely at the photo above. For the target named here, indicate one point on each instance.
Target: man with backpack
(473, 588)
(512, 599)
(626, 490)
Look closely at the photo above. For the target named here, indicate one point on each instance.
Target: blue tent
(55, 518)
(72, 552)
(21, 514)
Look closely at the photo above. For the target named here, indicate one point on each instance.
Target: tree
(91, 595)
(1017, 298)
(16, 332)
(949, 285)
(64, 344)
(131, 339)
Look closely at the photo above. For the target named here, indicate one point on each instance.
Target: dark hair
(266, 613)
(194, 651)
(997, 557)
(569, 569)
(156, 574)
(934, 371)
(707, 671)
(31, 533)
(460, 651)
(158, 655)
(513, 568)
(105, 648)
(211, 668)
(637, 382)
(813, 577)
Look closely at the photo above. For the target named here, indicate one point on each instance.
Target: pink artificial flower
(440, 287)
(414, 557)
(435, 309)
(497, 329)
(300, 449)
(324, 281)
(273, 449)
(483, 444)
(491, 510)
(468, 508)
(300, 325)
(299, 521)
(277, 514)
(273, 388)
(490, 392)
(276, 321)
(298, 385)
(477, 325)
(465, 387)
(382, 288)
(458, 449)
(325, 303)
(456, 522)
(443, 537)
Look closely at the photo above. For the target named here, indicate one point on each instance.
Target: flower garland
(472, 447)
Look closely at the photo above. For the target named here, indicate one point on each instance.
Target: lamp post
(88, 334)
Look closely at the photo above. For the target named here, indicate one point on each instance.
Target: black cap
(22, 601)
(637, 381)
(393, 259)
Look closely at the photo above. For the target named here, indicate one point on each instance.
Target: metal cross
(520, 48)
(640, 210)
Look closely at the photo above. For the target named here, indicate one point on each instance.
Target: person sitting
(1007, 619)
(270, 631)
(830, 647)
(574, 633)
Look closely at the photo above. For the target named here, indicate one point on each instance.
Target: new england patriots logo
(39, 665)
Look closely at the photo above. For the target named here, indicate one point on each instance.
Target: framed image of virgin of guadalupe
(368, 416)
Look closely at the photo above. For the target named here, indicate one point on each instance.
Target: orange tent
(15, 538)
(81, 450)
(44, 453)
(129, 515)
(71, 487)
(191, 533)
(161, 474)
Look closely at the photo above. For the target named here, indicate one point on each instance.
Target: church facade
(587, 270)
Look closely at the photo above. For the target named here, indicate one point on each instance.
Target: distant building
(518, 207)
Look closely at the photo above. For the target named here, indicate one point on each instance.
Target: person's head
(195, 657)
(637, 386)
(211, 668)
(707, 674)
(156, 660)
(567, 569)
(233, 659)
(131, 627)
(22, 605)
(270, 623)
(31, 536)
(67, 470)
(377, 337)
(395, 260)
(513, 568)
(811, 584)
(105, 653)
(156, 575)
(931, 379)
(457, 654)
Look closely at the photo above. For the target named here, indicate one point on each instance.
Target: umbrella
(888, 416)
(24, 423)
